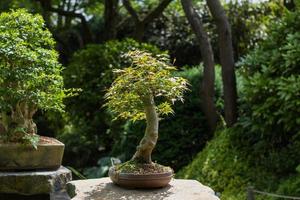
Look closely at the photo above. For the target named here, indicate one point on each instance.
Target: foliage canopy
(29, 67)
(29, 73)
(147, 76)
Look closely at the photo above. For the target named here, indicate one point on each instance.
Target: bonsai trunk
(19, 122)
(147, 144)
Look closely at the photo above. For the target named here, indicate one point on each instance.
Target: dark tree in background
(207, 86)
(110, 18)
(226, 59)
(70, 13)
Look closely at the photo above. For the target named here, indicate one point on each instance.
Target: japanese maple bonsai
(132, 96)
(29, 80)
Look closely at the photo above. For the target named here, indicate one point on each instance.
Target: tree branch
(157, 11)
(131, 11)
(140, 25)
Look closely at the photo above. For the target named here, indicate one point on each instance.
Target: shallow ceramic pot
(47, 156)
(131, 180)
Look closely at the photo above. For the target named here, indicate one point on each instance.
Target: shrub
(271, 98)
(30, 76)
(91, 131)
(221, 167)
(290, 186)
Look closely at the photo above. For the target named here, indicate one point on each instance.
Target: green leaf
(147, 75)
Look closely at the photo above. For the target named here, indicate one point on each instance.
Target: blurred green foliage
(100, 170)
(221, 166)
(271, 98)
(262, 149)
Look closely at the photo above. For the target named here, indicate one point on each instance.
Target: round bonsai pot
(132, 180)
(16, 156)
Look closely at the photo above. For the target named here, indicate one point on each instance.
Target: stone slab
(61, 195)
(104, 189)
(34, 182)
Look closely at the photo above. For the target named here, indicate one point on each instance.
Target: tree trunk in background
(147, 144)
(87, 35)
(207, 88)
(227, 61)
(110, 19)
(139, 31)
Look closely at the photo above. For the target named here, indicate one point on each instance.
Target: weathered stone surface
(16, 156)
(60, 195)
(37, 182)
(104, 189)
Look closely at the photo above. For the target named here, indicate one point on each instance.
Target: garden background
(260, 147)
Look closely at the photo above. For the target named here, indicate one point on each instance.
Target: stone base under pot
(104, 189)
(131, 180)
(34, 182)
(17, 157)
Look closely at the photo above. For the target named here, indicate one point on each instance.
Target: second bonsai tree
(30, 79)
(30, 75)
(132, 96)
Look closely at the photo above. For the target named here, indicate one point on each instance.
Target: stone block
(34, 182)
(104, 189)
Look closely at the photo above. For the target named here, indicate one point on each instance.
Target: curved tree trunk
(147, 144)
(227, 61)
(207, 87)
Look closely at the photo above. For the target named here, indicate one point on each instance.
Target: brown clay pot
(131, 180)
(47, 156)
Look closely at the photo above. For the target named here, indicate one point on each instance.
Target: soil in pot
(139, 175)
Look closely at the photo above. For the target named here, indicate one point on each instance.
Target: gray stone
(104, 189)
(60, 195)
(17, 156)
(34, 182)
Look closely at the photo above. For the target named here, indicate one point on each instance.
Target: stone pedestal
(38, 183)
(104, 189)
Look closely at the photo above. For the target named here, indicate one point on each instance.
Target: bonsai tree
(29, 75)
(133, 93)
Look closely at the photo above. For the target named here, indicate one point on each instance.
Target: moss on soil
(142, 168)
